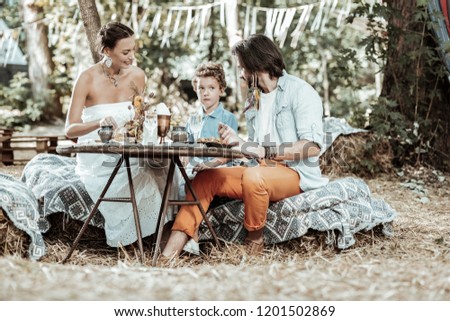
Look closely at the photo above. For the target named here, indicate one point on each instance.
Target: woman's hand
(108, 121)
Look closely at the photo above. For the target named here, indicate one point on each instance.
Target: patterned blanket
(20, 205)
(344, 206)
(54, 183)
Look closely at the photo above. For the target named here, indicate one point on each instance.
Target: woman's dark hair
(259, 53)
(111, 33)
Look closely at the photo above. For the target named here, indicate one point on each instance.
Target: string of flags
(166, 22)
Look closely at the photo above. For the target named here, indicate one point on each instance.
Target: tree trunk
(412, 80)
(40, 64)
(234, 35)
(92, 25)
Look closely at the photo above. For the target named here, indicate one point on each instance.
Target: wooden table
(173, 152)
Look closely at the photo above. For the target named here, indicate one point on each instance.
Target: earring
(108, 61)
(255, 91)
(253, 95)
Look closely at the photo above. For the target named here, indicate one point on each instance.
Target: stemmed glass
(195, 124)
(150, 125)
(163, 126)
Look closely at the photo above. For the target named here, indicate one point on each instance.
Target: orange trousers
(256, 186)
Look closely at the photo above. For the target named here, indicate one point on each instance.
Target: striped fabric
(438, 10)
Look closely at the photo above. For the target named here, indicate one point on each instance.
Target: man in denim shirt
(285, 136)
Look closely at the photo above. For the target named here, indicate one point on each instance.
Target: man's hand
(228, 135)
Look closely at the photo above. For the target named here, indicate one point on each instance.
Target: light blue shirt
(296, 115)
(210, 123)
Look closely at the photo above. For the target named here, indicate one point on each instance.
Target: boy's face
(208, 92)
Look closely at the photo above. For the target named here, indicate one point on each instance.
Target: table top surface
(151, 151)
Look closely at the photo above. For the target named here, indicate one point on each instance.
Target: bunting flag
(166, 21)
(10, 52)
(301, 24)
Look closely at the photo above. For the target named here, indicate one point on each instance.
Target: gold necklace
(114, 79)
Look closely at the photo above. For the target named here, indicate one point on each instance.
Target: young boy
(210, 86)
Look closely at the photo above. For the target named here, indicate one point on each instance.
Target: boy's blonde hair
(210, 69)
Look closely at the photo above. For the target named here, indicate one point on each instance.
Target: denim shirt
(296, 115)
(210, 123)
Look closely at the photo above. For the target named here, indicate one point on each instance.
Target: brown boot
(253, 248)
(254, 242)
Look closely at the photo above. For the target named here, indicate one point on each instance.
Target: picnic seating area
(18, 149)
(55, 185)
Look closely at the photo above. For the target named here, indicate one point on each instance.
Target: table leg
(135, 209)
(91, 215)
(163, 210)
(199, 205)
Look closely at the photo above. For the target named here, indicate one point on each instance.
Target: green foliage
(17, 105)
(409, 111)
(10, 14)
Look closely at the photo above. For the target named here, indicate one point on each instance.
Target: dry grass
(412, 265)
(349, 154)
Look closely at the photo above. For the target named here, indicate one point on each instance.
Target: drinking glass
(150, 127)
(195, 124)
(163, 126)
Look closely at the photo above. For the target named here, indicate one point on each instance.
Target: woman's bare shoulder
(137, 71)
(89, 73)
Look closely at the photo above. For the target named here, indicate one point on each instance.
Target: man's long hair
(258, 53)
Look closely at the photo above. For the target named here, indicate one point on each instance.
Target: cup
(163, 126)
(179, 134)
(106, 132)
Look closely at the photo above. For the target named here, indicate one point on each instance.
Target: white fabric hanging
(206, 13)
(318, 19)
(166, 35)
(8, 49)
(177, 23)
(329, 8)
(134, 13)
(254, 16)
(277, 29)
(271, 18)
(16, 45)
(197, 22)
(155, 22)
(187, 26)
(289, 16)
(302, 21)
(344, 12)
(143, 22)
(247, 22)
(222, 14)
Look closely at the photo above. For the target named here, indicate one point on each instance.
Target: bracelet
(270, 151)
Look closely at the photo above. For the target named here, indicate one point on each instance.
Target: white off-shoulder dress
(148, 182)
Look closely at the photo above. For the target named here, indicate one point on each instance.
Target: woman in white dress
(102, 96)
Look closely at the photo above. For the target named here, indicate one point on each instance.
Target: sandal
(192, 247)
(253, 248)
